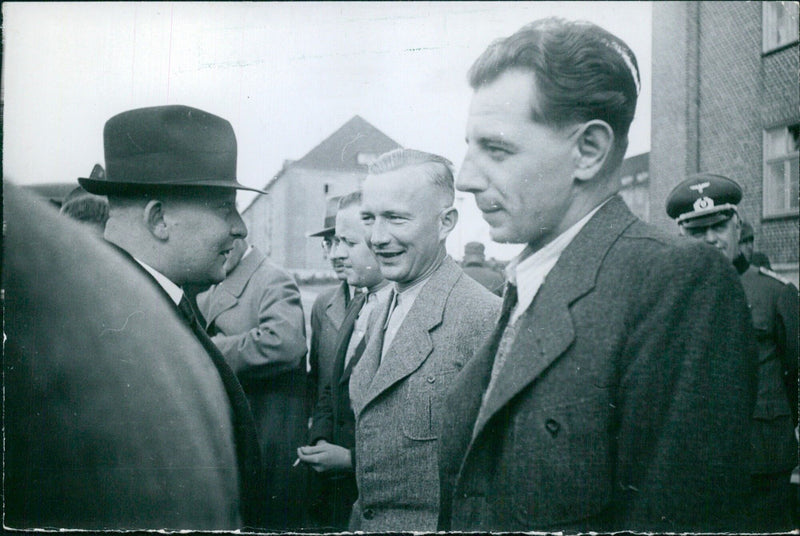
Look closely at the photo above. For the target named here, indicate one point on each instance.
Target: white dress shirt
(174, 291)
(529, 270)
(372, 302)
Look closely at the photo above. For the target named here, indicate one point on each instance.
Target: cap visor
(707, 220)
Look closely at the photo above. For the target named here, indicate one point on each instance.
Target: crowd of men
(628, 379)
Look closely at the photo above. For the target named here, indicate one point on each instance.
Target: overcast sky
(285, 75)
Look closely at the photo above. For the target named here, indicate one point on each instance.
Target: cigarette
(296, 462)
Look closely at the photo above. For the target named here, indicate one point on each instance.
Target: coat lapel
(345, 333)
(413, 344)
(546, 330)
(335, 309)
(226, 294)
(364, 371)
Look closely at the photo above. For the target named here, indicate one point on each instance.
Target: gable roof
(340, 150)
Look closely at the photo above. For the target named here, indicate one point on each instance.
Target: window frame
(767, 48)
(768, 212)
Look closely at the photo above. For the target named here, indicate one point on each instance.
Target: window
(781, 175)
(780, 24)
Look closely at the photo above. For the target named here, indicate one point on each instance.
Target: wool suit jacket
(624, 401)
(114, 417)
(399, 404)
(256, 319)
(334, 422)
(327, 315)
(333, 417)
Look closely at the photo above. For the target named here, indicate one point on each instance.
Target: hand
(324, 457)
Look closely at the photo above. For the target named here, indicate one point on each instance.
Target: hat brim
(105, 187)
(329, 231)
(708, 219)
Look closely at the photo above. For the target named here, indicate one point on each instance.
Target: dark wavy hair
(581, 72)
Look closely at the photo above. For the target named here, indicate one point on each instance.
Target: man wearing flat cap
(171, 186)
(474, 265)
(705, 207)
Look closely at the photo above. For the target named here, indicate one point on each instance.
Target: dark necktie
(348, 325)
(509, 334)
(248, 452)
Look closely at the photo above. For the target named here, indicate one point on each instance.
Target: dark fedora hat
(329, 223)
(166, 146)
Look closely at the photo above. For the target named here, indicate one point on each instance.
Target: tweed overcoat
(399, 405)
(256, 319)
(624, 401)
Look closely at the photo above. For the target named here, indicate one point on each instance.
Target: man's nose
(338, 251)
(238, 228)
(469, 178)
(710, 236)
(379, 235)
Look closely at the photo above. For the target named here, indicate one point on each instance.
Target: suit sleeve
(685, 398)
(322, 422)
(277, 344)
(787, 335)
(313, 352)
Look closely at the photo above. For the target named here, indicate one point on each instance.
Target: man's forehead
(511, 94)
(348, 218)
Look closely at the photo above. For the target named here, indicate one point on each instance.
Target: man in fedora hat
(171, 185)
(328, 310)
(705, 206)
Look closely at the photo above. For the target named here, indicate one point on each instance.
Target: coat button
(552, 426)
(431, 379)
(369, 513)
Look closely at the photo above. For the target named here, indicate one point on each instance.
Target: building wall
(308, 190)
(278, 223)
(714, 93)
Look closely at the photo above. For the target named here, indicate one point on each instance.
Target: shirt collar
(529, 269)
(174, 291)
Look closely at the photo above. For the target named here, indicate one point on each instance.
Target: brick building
(726, 100)
(278, 223)
(634, 181)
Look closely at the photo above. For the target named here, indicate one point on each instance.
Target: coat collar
(549, 330)
(336, 306)
(412, 344)
(226, 294)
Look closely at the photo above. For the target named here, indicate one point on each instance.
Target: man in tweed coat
(616, 391)
(434, 321)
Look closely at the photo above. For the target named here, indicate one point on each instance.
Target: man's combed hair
(438, 168)
(582, 72)
(349, 200)
(88, 208)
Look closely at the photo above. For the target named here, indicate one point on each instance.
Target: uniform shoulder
(769, 273)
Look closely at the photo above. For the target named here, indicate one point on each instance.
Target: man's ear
(153, 216)
(447, 221)
(738, 224)
(593, 146)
